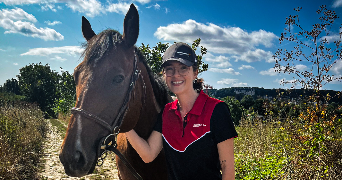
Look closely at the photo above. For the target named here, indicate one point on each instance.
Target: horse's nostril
(79, 158)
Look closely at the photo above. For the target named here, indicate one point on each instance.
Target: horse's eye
(118, 79)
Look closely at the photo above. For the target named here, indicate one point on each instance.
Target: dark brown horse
(103, 80)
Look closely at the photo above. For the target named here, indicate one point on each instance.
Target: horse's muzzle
(77, 164)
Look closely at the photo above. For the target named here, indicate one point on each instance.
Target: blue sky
(241, 35)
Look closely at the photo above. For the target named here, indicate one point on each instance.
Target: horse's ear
(131, 26)
(87, 31)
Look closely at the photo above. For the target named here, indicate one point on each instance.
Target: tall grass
(22, 131)
(293, 149)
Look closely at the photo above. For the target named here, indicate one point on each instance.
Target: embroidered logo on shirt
(199, 125)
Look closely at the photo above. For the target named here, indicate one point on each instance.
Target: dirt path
(51, 167)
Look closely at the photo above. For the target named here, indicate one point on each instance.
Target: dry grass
(22, 130)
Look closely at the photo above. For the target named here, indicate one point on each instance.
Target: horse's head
(103, 83)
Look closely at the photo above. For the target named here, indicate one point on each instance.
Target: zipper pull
(185, 122)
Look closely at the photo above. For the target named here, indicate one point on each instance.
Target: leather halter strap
(123, 109)
(114, 128)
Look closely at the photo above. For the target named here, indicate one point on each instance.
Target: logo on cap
(183, 53)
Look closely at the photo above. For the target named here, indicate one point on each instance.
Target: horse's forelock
(99, 45)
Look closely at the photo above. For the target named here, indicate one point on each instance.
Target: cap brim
(185, 62)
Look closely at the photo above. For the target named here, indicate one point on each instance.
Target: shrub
(22, 130)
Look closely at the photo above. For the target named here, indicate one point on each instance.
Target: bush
(300, 147)
(259, 150)
(22, 130)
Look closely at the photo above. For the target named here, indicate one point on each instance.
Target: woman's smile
(177, 83)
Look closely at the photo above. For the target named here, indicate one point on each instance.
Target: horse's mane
(159, 87)
(98, 46)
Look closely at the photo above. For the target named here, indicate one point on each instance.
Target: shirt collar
(198, 105)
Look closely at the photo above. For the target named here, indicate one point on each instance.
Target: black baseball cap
(180, 52)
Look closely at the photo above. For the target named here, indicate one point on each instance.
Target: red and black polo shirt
(191, 147)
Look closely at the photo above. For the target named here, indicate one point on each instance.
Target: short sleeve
(159, 122)
(221, 124)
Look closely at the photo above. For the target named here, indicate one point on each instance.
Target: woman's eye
(118, 79)
(168, 69)
(184, 67)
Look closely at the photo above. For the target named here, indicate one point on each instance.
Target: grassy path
(51, 167)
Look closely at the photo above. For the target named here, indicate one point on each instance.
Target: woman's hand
(147, 150)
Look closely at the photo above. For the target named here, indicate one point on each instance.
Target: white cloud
(286, 81)
(332, 38)
(91, 8)
(255, 55)
(223, 40)
(269, 72)
(143, 1)
(29, 29)
(229, 71)
(16, 64)
(69, 50)
(58, 58)
(167, 10)
(16, 14)
(218, 61)
(337, 67)
(223, 64)
(156, 6)
(301, 67)
(246, 67)
(15, 21)
(52, 23)
(120, 8)
(46, 7)
(337, 3)
(20, 2)
(232, 83)
(339, 81)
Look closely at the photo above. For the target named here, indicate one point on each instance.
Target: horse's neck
(150, 109)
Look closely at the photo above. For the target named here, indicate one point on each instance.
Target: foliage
(11, 86)
(259, 150)
(247, 101)
(39, 84)
(258, 106)
(289, 150)
(66, 91)
(301, 137)
(236, 110)
(154, 56)
(10, 97)
(22, 131)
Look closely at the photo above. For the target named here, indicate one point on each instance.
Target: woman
(196, 131)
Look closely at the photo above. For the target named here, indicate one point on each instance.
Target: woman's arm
(226, 156)
(147, 150)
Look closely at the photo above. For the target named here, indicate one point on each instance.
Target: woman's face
(179, 77)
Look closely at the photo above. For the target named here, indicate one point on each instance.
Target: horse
(112, 63)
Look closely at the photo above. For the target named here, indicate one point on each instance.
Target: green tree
(66, 91)
(247, 101)
(12, 86)
(39, 84)
(236, 110)
(154, 55)
(259, 106)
